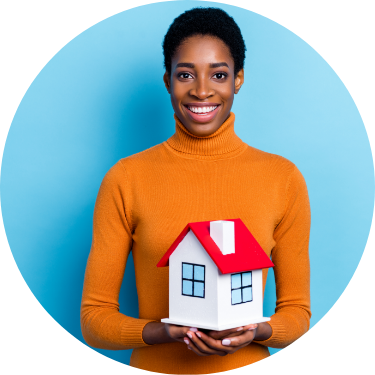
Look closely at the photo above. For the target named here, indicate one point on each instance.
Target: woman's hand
(161, 333)
(178, 333)
(220, 342)
(203, 344)
(218, 335)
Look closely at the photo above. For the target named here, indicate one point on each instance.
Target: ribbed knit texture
(144, 202)
(223, 143)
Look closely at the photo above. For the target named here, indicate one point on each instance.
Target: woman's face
(202, 84)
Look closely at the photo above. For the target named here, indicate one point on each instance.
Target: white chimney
(222, 232)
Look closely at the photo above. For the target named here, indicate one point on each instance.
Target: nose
(202, 89)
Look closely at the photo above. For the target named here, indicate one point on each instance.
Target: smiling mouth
(201, 110)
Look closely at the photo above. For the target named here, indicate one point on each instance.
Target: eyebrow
(191, 65)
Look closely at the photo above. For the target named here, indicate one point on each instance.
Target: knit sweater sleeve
(292, 270)
(103, 326)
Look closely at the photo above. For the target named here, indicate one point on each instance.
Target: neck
(222, 143)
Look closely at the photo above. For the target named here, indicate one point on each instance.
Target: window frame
(193, 280)
(241, 288)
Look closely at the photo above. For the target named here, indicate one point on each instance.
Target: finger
(201, 345)
(184, 330)
(250, 327)
(193, 348)
(220, 334)
(232, 335)
(245, 339)
(179, 332)
(213, 344)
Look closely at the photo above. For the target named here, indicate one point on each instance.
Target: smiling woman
(202, 83)
(204, 172)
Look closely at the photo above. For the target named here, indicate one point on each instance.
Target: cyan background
(102, 98)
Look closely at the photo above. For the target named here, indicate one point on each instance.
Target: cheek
(226, 93)
(177, 93)
(174, 97)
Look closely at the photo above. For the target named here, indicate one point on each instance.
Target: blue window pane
(236, 296)
(187, 287)
(247, 294)
(199, 273)
(198, 289)
(187, 271)
(236, 281)
(246, 279)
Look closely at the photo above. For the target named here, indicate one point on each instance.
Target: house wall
(192, 309)
(230, 313)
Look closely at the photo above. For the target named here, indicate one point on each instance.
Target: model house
(215, 276)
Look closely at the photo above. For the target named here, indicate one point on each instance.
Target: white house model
(215, 276)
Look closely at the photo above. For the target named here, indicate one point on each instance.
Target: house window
(242, 290)
(193, 277)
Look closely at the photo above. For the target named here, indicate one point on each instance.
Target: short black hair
(204, 21)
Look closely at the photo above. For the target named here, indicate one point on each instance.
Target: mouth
(201, 110)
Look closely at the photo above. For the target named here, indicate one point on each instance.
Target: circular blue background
(102, 98)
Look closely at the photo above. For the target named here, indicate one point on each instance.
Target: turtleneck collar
(221, 144)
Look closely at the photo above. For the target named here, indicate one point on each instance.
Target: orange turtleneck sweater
(144, 202)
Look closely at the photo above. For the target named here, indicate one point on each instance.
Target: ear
(167, 81)
(239, 80)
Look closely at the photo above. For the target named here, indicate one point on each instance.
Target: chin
(203, 130)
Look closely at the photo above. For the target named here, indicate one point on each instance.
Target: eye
(184, 75)
(220, 75)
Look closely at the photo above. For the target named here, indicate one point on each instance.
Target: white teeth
(203, 110)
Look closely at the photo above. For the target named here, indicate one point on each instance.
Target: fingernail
(198, 334)
(251, 328)
(239, 329)
(190, 335)
(192, 329)
(226, 342)
(186, 341)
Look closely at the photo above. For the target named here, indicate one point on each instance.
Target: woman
(203, 172)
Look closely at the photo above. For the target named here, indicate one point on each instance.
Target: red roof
(248, 254)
